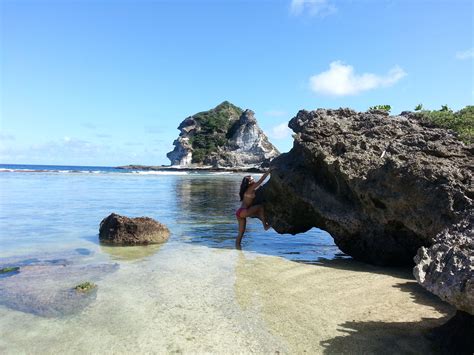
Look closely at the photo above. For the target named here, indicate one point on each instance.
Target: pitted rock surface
(447, 268)
(382, 186)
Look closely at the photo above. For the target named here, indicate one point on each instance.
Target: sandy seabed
(193, 299)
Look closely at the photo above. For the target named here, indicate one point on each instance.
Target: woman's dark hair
(243, 186)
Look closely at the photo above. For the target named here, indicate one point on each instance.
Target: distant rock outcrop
(224, 137)
(120, 230)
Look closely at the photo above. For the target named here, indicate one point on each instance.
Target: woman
(247, 195)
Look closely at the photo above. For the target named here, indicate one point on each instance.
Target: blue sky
(108, 82)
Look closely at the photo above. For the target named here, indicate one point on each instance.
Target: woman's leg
(259, 212)
(242, 225)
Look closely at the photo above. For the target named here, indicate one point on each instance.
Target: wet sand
(187, 299)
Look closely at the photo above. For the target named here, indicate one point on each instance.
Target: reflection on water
(130, 253)
(44, 212)
(208, 218)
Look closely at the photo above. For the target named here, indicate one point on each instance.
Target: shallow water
(195, 293)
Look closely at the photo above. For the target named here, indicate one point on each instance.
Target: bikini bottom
(237, 213)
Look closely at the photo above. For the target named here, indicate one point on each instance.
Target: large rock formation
(224, 137)
(121, 230)
(382, 186)
(385, 187)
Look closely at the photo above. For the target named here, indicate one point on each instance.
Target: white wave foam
(139, 172)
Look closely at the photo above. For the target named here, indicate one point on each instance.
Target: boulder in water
(121, 230)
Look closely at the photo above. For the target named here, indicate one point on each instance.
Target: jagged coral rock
(382, 186)
(447, 267)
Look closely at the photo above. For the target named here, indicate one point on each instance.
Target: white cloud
(468, 54)
(275, 113)
(340, 80)
(280, 131)
(312, 7)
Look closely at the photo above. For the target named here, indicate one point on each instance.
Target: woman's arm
(261, 180)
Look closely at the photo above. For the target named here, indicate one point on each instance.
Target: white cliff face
(182, 153)
(250, 143)
(246, 145)
(246, 137)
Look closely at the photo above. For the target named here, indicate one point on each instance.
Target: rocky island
(223, 137)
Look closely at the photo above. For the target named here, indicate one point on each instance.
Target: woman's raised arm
(261, 180)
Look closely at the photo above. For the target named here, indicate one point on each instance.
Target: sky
(107, 82)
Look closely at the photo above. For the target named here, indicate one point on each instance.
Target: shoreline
(277, 305)
(195, 168)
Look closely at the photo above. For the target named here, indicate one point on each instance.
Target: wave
(67, 171)
(142, 172)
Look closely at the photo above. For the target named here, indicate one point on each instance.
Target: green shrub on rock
(461, 121)
(381, 107)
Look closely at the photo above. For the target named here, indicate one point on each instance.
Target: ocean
(194, 293)
(45, 208)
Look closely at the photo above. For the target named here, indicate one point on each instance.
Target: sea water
(194, 293)
(50, 208)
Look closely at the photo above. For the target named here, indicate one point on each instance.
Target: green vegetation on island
(215, 125)
(85, 287)
(462, 121)
(9, 269)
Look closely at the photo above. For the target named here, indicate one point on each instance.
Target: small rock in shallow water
(85, 287)
(45, 287)
(121, 230)
(9, 269)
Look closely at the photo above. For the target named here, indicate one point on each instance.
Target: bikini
(239, 211)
